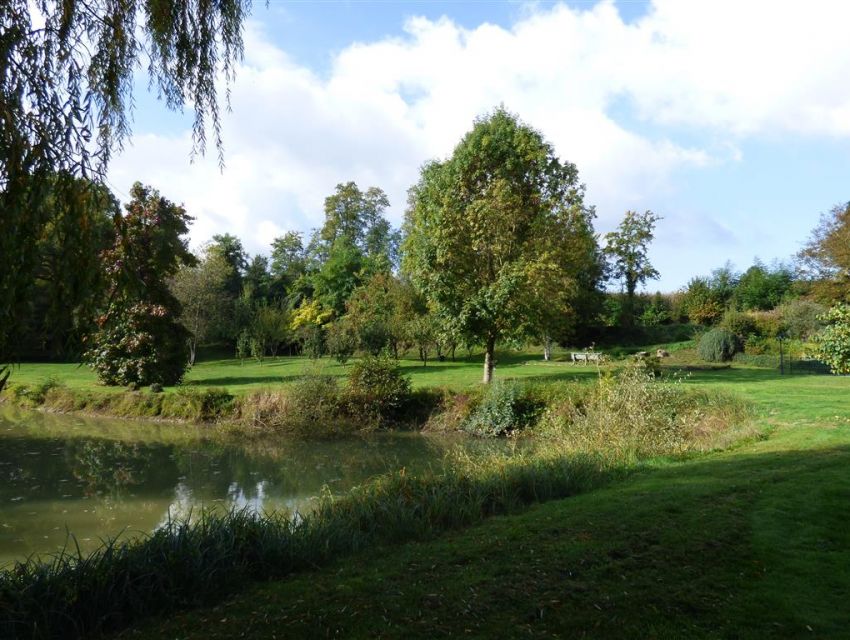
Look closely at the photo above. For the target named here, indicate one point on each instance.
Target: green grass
(748, 543)
(745, 543)
(251, 375)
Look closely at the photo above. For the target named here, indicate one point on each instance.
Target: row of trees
(497, 247)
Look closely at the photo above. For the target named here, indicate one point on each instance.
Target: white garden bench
(586, 356)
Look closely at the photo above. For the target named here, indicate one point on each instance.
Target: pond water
(100, 478)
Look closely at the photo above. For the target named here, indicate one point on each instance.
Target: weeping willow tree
(66, 95)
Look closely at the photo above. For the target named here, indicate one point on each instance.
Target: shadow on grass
(744, 545)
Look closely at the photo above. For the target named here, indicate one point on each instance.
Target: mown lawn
(753, 542)
(250, 374)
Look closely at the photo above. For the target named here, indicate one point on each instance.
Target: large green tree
(69, 275)
(491, 231)
(627, 251)
(139, 339)
(66, 80)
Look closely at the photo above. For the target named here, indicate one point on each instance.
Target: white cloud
(726, 69)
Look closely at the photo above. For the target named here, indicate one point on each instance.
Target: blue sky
(731, 120)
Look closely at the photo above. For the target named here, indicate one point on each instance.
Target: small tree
(139, 340)
(202, 292)
(833, 343)
(627, 252)
(271, 328)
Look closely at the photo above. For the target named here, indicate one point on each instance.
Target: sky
(729, 119)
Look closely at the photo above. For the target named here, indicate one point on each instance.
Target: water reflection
(99, 478)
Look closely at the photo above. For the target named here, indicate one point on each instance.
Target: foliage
(201, 289)
(626, 250)
(139, 344)
(833, 342)
(339, 276)
(633, 415)
(341, 339)
(271, 328)
(717, 345)
(312, 339)
(768, 323)
(502, 410)
(68, 270)
(357, 217)
(801, 318)
(380, 310)
(288, 259)
(229, 249)
(739, 324)
(762, 288)
(66, 90)
(656, 313)
(702, 301)
(139, 340)
(495, 234)
(377, 390)
(423, 334)
(825, 260)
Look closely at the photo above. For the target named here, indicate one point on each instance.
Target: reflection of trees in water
(114, 463)
(301, 468)
(106, 467)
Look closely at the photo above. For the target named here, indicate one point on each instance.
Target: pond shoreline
(263, 411)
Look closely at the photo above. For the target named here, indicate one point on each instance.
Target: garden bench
(586, 356)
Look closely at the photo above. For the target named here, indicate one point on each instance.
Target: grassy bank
(180, 566)
(749, 543)
(295, 394)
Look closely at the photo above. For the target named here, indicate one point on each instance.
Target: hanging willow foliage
(66, 79)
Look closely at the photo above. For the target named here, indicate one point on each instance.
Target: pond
(97, 478)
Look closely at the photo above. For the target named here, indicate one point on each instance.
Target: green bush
(833, 343)
(738, 323)
(377, 391)
(802, 318)
(315, 399)
(717, 345)
(768, 323)
(140, 345)
(341, 340)
(504, 409)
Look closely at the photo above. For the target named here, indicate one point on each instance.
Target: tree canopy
(627, 250)
(825, 259)
(66, 82)
(494, 229)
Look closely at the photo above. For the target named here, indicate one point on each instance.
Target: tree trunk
(547, 348)
(192, 345)
(489, 359)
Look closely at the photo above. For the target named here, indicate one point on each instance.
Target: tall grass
(633, 416)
